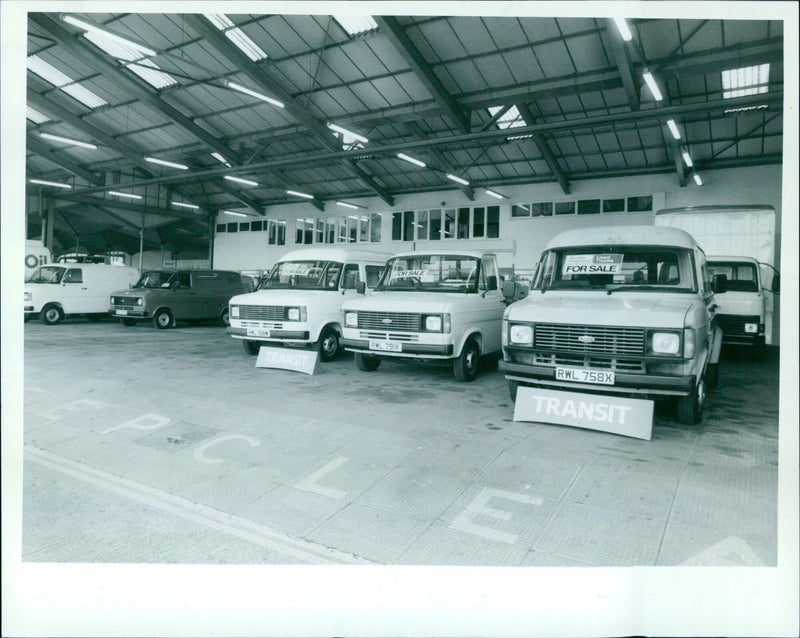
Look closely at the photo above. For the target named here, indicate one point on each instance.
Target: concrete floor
(145, 446)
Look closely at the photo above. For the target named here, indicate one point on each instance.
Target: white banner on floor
(304, 361)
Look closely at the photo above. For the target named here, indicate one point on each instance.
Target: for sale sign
(604, 264)
(628, 417)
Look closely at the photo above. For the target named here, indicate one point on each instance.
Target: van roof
(623, 235)
(335, 254)
(477, 254)
(89, 266)
(732, 258)
(194, 270)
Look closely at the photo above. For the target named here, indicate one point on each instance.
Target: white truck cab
(743, 309)
(300, 302)
(620, 311)
(435, 306)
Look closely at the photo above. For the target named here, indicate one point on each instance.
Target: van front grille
(604, 340)
(395, 321)
(261, 313)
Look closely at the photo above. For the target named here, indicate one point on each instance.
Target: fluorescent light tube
(651, 83)
(346, 205)
(260, 96)
(44, 182)
(697, 180)
(219, 158)
(299, 194)
(687, 158)
(623, 28)
(66, 140)
(674, 129)
(344, 131)
(241, 180)
(413, 160)
(493, 194)
(128, 195)
(155, 160)
(183, 205)
(94, 29)
(458, 179)
(230, 212)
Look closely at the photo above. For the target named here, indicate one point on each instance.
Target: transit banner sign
(297, 360)
(617, 415)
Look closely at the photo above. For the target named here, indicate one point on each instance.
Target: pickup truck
(626, 311)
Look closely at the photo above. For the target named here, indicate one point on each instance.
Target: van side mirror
(776, 284)
(509, 289)
(491, 282)
(361, 287)
(720, 284)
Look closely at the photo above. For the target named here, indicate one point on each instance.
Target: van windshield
(47, 275)
(742, 275)
(155, 279)
(305, 275)
(611, 268)
(433, 273)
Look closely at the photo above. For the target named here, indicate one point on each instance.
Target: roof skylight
(34, 116)
(134, 56)
(355, 24)
(237, 36)
(510, 119)
(748, 80)
(61, 80)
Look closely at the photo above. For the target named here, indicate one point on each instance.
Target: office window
(244, 227)
(463, 223)
(436, 223)
(233, 227)
(542, 209)
(614, 205)
(256, 226)
(493, 222)
(352, 230)
(521, 210)
(221, 228)
(478, 222)
(363, 223)
(565, 208)
(422, 224)
(449, 227)
(375, 227)
(588, 206)
(640, 204)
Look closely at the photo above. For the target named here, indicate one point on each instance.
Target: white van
(56, 290)
(619, 311)
(300, 302)
(437, 306)
(745, 309)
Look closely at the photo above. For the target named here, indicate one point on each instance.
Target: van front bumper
(623, 383)
(274, 335)
(414, 350)
(127, 313)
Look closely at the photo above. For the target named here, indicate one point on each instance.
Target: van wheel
(512, 389)
(251, 347)
(225, 317)
(712, 375)
(51, 315)
(128, 322)
(366, 362)
(328, 344)
(466, 365)
(690, 408)
(162, 319)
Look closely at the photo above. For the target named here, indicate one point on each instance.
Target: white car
(619, 311)
(435, 306)
(300, 302)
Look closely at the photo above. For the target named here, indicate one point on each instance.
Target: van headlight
(664, 342)
(139, 301)
(436, 323)
(234, 312)
(28, 296)
(295, 314)
(351, 319)
(751, 328)
(520, 334)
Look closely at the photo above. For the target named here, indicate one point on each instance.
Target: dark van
(167, 295)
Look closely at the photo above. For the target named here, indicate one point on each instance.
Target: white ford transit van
(438, 306)
(618, 311)
(56, 290)
(300, 302)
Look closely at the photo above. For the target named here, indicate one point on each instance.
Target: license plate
(579, 375)
(258, 332)
(386, 346)
(122, 312)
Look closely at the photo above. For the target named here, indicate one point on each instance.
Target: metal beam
(442, 161)
(35, 146)
(82, 198)
(411, 54)
(677, 159)
(623, 62)
(544, 149)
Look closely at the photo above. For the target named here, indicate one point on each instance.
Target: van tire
(712, 375)
(690, 408)
(465, 367)
(251, 347)
(328, 344)
(366, 362)
(225, 317)
(128, 322)
(51, 315)
(162, 319)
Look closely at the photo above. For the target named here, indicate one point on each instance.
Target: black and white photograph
(399, 318)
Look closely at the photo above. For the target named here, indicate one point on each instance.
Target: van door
(352, 275)
(75, 294)
(490, 298)
(183, 296)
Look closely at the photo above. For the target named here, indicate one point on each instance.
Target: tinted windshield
(155, 279)
(742, 276)
(435, 273)
(47, 275)
(305, 275)
(616, 267)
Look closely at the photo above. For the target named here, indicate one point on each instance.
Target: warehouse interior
(197, 139)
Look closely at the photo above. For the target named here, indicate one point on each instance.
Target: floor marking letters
(144, 422)
(72, 406)
(731, 551)
(200, 449)
(309, 484)
(464, 523)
